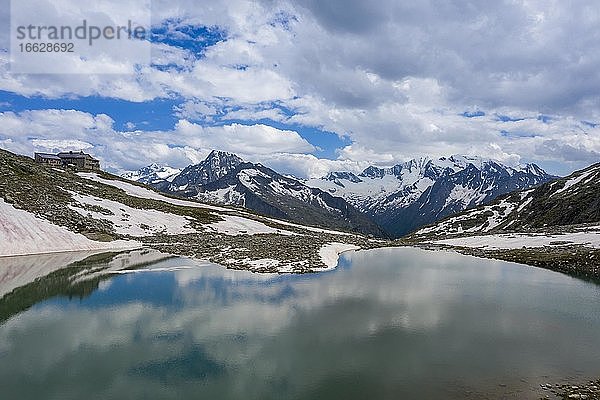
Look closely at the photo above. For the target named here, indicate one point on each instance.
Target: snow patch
(574, 181)
(464, 196)
(133, 221)
(22, 233)
(262, 263)
(234, 225)
(137, 191)
(226, 195)
(517, 241)
(329, 254)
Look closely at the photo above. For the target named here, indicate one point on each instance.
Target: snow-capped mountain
(564, 202)
(217, 165)
(224, 178)
(399, 199)
(421, 191)
(153, 174)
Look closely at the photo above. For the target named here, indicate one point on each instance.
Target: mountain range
(553, 206)
(224, 178)
(555, 225)
(380, 201)
(153, 174)
(421, 191)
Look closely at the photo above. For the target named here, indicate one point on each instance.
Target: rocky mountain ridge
(224, 178)
(562, 203)
(421, 191)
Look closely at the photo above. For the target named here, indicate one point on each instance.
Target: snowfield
(518, 241)
(372, 193)
(23, 233)
(137, 191)
(133, 221)
(233, 225)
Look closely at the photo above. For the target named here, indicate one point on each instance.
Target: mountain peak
(415, 163)
(373, 172)
(349, 176)
(458, 161)
(223, 155)
(215, 166)
(221, 161)
(532, 169)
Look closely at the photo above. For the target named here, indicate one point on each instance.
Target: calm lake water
(386, 324)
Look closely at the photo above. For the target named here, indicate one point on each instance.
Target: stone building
(77, 160)
(50, 159)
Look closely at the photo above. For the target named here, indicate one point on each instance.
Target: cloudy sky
(311, 86)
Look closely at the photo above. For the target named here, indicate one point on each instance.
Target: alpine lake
(399, 323)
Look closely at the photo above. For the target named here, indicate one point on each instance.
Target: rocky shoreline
(573, 260)
(263, 253)
(589, 390)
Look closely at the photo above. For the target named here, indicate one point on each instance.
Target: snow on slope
(517, 241)
(372, 193)
(575, 181)
(464, 196)
(233, 225)
(227, 228)
(137, 191)
(133, 221)
(228, 195)
(496, 215)
(22, 233)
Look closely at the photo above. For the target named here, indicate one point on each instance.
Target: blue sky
(301, 86)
